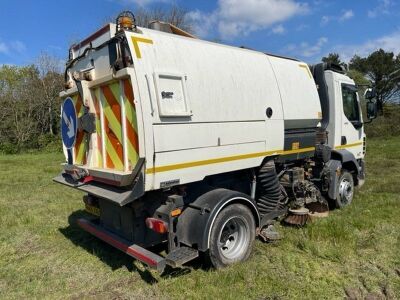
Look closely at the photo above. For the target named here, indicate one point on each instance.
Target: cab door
(352, 125)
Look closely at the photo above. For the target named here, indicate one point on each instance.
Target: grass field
(355, 252)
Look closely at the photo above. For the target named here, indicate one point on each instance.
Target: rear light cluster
(157, 225)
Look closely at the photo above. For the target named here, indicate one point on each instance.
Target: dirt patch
(353, 293)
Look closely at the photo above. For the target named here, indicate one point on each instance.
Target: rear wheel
(232, 236)
(345, 190)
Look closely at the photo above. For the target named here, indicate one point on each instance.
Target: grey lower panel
(121, 196)
(301, 123)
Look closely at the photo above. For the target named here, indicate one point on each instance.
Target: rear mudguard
(195, 223)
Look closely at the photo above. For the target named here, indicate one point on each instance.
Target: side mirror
(370, 93)
(372, 110)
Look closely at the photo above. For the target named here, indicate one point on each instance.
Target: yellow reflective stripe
(114, 155)
(130, 113)
(306, 68)
(112, 121)
(114, 125)
(81, 153)
(133, 156)
(99, 143)
(225, 159)
(135, 41)
(99, 146)
(99, 159)
(359, 143)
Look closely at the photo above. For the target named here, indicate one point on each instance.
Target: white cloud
(3, 48)
(18, 46)
(203, 23)
(306, 50)
(302, 27)
(143, 3)
(390, 42)
(325, 20)
(382, 8)
(234, 18)
(12, 47)
(279, 29)
(344, 16)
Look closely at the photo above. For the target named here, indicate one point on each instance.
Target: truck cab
(346, 109)
(342, 116)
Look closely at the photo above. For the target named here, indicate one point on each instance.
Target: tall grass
(387, 125)
(43, 254)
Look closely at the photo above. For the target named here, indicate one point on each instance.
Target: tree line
(380, 69)
(29, 104)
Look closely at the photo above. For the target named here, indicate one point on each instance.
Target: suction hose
(270, 190)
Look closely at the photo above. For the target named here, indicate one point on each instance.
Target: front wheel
(232, 236)
(345, 190)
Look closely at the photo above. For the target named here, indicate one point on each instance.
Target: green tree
(29, 104)
(333, 58)
(358, 77)
(51, 82)
(19, 106)
(383, 70)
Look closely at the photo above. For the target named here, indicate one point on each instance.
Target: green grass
(356, 251)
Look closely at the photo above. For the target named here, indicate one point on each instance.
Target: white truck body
(203, 145)
(216, 120)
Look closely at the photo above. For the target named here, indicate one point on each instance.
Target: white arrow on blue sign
(68, 123)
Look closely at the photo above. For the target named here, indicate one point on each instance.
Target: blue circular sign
(68, 123)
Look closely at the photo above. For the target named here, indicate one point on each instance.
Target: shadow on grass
(114, 257)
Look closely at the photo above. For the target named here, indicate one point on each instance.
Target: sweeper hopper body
(173, 133)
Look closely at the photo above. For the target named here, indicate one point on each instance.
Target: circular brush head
(297, 217)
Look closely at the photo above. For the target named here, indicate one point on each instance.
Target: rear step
(180, 256)
(149, 258)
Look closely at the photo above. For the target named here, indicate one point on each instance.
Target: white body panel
(299, 96)
(340, 126)
(204, 105)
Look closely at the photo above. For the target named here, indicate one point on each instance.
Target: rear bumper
(120, 196)
(149, 258)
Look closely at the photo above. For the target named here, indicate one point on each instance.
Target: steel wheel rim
(233, 238)
(345, 191)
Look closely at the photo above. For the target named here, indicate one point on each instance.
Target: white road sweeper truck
(202, 146)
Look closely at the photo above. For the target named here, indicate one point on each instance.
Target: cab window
(350, 103)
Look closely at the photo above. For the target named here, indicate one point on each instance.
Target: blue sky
(306, 30)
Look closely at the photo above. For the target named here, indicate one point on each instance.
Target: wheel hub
(345, 191)
(233, 238)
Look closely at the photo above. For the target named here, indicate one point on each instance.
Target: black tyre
(232, 236)
(345, 191)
